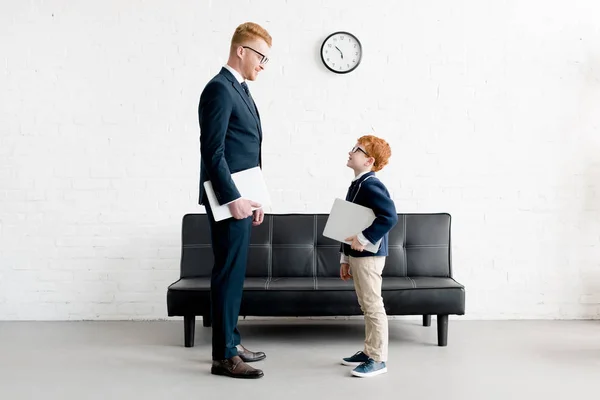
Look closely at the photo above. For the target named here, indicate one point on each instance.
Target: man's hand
(355, 243)
(242, 208)
(259, 216)
(345, 271)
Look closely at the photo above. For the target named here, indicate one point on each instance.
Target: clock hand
(342, 54)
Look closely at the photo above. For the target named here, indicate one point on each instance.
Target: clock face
(341, 52)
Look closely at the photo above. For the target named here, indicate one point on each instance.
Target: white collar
(236, 74)
(360, 175)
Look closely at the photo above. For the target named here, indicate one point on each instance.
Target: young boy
(369, 155)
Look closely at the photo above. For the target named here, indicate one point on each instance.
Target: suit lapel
(256, 110)
(355, 186)
(238, 87)
(259, 123)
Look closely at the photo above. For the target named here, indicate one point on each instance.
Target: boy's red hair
(377, 148)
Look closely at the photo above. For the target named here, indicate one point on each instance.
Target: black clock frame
(359, 58)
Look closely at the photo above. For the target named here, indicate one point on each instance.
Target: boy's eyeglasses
(264, 58)
(356, 148)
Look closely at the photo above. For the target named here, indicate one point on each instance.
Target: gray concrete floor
(147, 360)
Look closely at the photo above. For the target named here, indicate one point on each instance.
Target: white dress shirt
(237, 75)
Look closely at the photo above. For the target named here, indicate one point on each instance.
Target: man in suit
(230, 141)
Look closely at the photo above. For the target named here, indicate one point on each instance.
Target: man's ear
(239, 50)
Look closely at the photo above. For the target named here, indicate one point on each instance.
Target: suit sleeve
(214, 112)
(385, 213)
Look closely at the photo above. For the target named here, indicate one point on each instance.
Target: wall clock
(341, 52)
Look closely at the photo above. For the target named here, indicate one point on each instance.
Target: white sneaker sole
(351, 364)
(370, 374)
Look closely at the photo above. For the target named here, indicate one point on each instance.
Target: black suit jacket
(230, 135)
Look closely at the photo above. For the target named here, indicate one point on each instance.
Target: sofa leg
(426, 320)
(189, 328)
(442, 330)
(206, 321)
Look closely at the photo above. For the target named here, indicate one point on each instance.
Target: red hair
(377, 148)
(250, 31)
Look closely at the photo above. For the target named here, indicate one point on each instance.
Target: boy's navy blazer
(369, 191)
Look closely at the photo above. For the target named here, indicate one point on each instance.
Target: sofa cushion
(203, 284)
(323, 284)
(293, 245)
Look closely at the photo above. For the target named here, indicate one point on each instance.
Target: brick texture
(491, 109)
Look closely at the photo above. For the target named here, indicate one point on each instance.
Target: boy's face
(358, 159)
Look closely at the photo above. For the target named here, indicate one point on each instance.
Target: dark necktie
(246, 89)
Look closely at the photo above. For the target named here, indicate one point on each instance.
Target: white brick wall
(491, 109)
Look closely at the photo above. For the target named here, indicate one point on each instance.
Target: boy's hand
(345, 271)
(355, 243)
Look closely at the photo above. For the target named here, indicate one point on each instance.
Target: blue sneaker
(369, 368)
(356, 359)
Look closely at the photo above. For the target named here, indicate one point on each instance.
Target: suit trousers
(230, 241)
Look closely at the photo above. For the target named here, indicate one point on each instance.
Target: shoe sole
(370, 374)
(351, 363)
(220, 372)
(253, 359)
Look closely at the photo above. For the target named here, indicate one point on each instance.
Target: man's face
(255, 55)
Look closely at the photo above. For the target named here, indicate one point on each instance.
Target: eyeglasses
(356, 148)
(264, 58)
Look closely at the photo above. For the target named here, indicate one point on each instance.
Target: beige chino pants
(366, 273)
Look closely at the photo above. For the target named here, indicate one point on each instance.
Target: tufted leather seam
(404, 246)
(270, 261)
(315, 283)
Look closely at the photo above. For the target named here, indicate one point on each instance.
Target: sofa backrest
(293, 245)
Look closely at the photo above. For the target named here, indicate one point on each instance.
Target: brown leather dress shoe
(234, 367)
(250, 356)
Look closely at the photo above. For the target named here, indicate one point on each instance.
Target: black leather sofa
(293, 270)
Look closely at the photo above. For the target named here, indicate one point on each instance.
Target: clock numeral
(335, 40)
(334, 64)
(356, 53)
(353, 61)
(341, 38)
(328, 59)
(348, 65)
(355, 46)
(329, 45)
